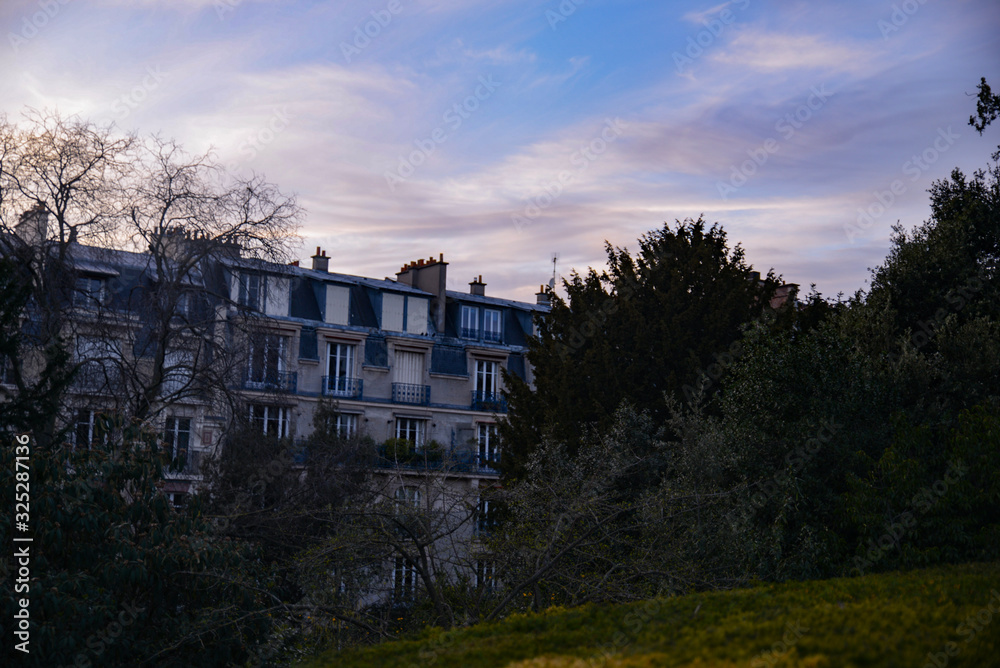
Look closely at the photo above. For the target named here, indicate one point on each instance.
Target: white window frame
(261, 351)
(278, 416)
(492, 325)
(487, 379)
(407, 496)
(92, 424)
(89, 291)
(404, 580)
(486, 574)
(485, 515)
(178, 371)
(412, 429)
(470, 322)
(256, 298)
(177, 436)
(340, 361)
(345, 425)
(184, 302)
(489, 444)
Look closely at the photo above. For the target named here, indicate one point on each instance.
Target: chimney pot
(320, 261)
(477, 287)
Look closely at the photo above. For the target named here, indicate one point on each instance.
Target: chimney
(33, 226)
(542, 297)
(477, 287)
(430, 275)
(320, 261)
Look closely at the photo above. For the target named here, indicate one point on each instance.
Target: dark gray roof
(494, 301)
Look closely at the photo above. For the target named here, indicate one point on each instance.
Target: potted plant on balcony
(432, 452)
(398, 450)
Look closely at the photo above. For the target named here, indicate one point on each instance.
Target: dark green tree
(650, 325)
(117, 576)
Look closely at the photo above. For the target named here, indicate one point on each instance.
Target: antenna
(552, 281)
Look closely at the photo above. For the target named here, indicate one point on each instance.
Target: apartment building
(405, 359)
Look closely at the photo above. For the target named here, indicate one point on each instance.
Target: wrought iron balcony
(470, 332)
(342, 386)
(447, 459)
(492, 402)
(98, 378)
(406, 393)
(271, 380)
(491, 336)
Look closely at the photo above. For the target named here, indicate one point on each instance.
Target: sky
(502, 132)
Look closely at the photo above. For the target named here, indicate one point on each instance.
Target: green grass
(895, 619)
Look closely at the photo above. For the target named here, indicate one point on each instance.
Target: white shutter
(392, 312)
(409, 368)
(337, 304)
(416, 316)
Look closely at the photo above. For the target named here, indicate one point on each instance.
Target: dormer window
(252, 287)
(470, 322)
(491, 325)
(89, 292)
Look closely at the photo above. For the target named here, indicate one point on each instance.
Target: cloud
(769, 52)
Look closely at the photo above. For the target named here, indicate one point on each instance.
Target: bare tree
(128, 245)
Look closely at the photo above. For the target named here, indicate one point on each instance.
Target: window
(99, 370)
(89, 292)
(177, 437)
(345, 426)
(252, 290)
(91, 429)
(491, 325)
(408, 497)
(489, 445)
(267, 362)
(340, 370)
(185, 301)
(6, 370)
(487, 375)
(177, 499)
(408, 378)
(404, 580)
(411, 429)
(178, 372)
(486, 574)
(272, 420)
(485, 516)
(470, 322)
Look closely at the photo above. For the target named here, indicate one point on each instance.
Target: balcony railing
(491, 336)
(342, 386)
(406, 393)
(492, 402)
(271, 380)
(99, 378)
(451, 459)
(470, 332)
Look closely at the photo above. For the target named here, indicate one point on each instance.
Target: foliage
(398, 450)
(112, 563)
(855, 621)
(644, 328)
(576, 530)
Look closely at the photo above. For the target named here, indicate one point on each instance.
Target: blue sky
(501, 132)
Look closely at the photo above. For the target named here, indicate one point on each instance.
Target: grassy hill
(936, 617)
